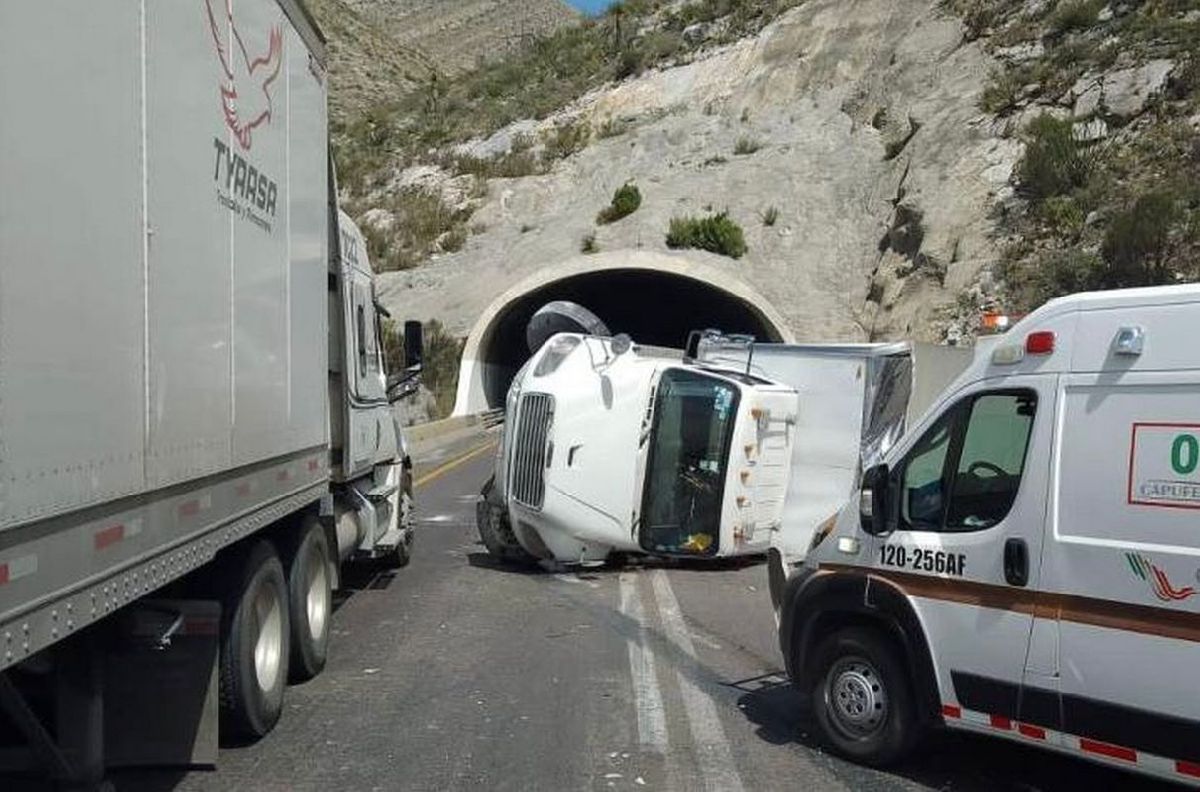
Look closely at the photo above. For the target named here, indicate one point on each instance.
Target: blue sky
(591, 6)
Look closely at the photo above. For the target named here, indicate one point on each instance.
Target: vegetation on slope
(1112, 197)
(534, 83)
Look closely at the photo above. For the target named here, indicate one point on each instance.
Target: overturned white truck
(730, 449)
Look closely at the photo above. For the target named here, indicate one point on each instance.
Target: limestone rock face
(1127, 91)
(885, 175)
(382, 48)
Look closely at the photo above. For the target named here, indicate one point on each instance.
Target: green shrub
(714, 233)
(422, 222)
(1136, 240)
(978, 16)
(510, 165)
(770, 215)
(1052, 274)
(625, 201)
(1001, 92)
(588, 243)
(454, 239)
(1053, 164)
(567, 139)
(717, 160)
(1075, 15)
(610, 128)
(746, 145)
(1063, 214)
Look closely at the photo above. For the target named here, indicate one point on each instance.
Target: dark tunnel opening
(654, 308)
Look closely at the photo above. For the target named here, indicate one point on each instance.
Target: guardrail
(419, 433)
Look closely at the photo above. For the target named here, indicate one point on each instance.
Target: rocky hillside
(382, 48)
(458, 35)
(892, 167)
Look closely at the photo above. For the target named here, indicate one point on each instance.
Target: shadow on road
(945, 760)
(485, 560)
(361, 577)
(776, 708)
(617, 562)
(146, 780)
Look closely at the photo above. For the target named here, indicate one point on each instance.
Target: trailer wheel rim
(856, 698)
(268, 642)
(316, 597)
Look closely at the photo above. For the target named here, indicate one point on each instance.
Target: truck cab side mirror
(405, 383)
(873, 501)
(414, 345)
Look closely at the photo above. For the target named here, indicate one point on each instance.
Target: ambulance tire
(862, 697)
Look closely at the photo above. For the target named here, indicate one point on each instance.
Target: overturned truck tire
(491, 518)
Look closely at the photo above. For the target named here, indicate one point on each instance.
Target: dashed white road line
(713, 754)
(647, 697)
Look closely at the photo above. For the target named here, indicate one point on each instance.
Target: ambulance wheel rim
(855, 697)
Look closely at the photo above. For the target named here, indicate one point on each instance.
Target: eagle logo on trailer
(246, 87)
(1159, 583)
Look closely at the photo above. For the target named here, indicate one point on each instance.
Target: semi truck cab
(610, 448)
(371, 470)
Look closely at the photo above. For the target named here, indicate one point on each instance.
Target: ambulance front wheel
(862, 697)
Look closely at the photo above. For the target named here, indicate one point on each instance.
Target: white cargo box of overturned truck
(856, 400)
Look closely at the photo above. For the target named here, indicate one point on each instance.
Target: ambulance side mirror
(873, 499)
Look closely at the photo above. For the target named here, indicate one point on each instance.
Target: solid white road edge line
(647, 697)
(713, 754)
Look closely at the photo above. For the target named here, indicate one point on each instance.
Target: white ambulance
(1024, 562)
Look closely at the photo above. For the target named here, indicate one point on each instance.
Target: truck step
(382, 492)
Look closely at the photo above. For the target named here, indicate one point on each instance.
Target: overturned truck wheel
(492, 521)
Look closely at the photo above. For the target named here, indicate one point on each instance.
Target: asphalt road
(459, 673)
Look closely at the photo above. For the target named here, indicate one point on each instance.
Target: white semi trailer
(194, 406)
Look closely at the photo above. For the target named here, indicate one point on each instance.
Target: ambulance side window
(922, 502)
(991, 460)
(964, 472)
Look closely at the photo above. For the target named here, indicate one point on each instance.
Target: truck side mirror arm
(401, 386)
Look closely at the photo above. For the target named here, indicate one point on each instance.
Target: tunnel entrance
(655, 307)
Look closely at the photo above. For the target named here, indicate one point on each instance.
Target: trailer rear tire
(310, 600)
(862, 697)
(255, 634)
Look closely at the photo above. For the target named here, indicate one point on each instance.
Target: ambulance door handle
(1016, 562)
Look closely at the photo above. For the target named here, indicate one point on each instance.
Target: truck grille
(529, 454)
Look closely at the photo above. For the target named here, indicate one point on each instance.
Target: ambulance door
(968, 504)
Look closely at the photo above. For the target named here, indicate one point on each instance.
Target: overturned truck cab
(612, 448)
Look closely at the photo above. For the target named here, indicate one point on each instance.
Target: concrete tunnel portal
(656, 303)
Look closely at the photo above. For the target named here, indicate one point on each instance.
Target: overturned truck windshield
(694, 416)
